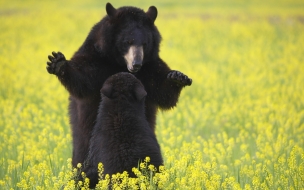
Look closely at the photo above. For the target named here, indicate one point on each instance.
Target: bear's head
(129, 35)
(123, 86)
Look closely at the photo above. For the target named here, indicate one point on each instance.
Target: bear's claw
(179, 78)
(56, 64)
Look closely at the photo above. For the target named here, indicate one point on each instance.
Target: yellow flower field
(239, 126)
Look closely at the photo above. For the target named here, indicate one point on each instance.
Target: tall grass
(239, 126)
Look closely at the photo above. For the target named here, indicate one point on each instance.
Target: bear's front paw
(179, 78)
(56, 66)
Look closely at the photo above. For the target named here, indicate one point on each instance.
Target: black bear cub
(122, 135)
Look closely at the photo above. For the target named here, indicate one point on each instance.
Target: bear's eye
(145, 43)
(129, 42)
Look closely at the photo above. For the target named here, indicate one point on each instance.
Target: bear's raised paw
(179, 78)
(56, 64)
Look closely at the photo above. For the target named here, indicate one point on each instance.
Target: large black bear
(122, 135)
(125, 40)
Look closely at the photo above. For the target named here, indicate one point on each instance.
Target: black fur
(101, 56)
(122, 136)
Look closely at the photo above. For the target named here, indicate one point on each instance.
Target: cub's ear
(110, 10)
(139, 92)
(106, 90)
(152, 13)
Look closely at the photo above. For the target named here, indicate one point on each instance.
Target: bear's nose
(136, 65)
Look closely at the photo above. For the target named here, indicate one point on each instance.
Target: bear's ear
(110, 10)
(106, 90)
(152, 13)
(139, 92)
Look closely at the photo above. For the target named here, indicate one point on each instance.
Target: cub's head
(123, 86)
(130, 36)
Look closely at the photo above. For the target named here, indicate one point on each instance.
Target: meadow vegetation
(239, 126)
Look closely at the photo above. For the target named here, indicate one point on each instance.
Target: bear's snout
(137, 65)
(134, 58)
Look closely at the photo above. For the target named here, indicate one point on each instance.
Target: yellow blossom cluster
(239, 126)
